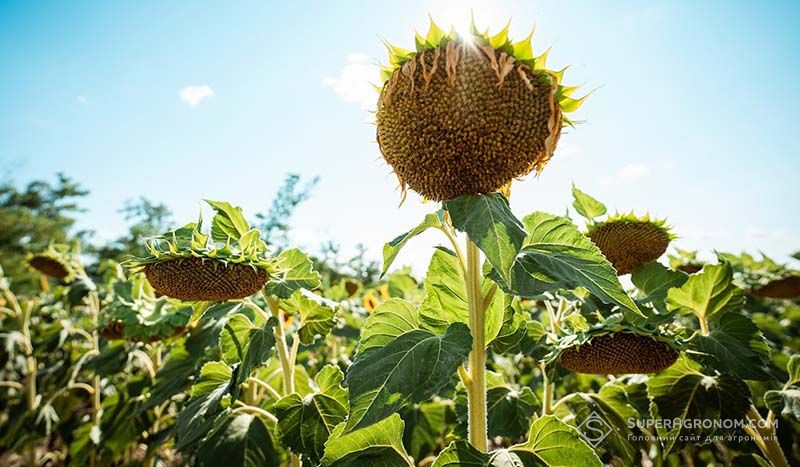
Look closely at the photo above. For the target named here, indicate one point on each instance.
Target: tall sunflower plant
(261, 306)
(458, 119)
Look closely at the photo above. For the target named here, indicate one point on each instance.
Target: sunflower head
(628, 241)
(685, 261)
(467, 115)
(134, 313)
(227, 264)
(786, 288)
(618, 353)
(58, 261)
(370, 301)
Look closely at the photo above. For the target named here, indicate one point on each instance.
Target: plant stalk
(765, 438)
(283, 350)
(476, 390)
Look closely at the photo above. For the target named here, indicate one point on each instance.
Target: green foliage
(446, 298)
(242, 440)
(392, 249)
(587, 206)
(735, 346)
(379, 444)
(33, 217)
(551, 442)
(295, 272)
(556, 256)
(684, 392)
(489, 222)
(306, 423)
(411, 368)
(708, 294)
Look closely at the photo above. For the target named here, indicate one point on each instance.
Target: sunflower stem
(280, 342)
(476, 390)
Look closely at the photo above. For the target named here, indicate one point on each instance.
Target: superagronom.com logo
(594, 429)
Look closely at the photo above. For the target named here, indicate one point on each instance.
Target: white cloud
(82, 99)
(194, 95)
(354, 82)
(634, 171)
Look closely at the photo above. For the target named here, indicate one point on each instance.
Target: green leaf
(316, 317)
(557, 256)
(654, 280)
(306, 423)
(445, 300)
(509, 410)
(295, 272)
(461, 453)
(411, 368)
(244, 441)
(228, 223)
(489, 222)
(213, 377)
(391, 249)
(234, 337)
(683, 392)
(379, 445)
(552, 442)
(389, 320)
(735, 346)
(708, 293)
(793, 367)
(612, 407)
(426, 425)
(513, 331)
(258, 351)
(587, 206)
(784, 401)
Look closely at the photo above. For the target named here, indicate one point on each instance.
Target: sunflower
(618, 353)
(784, 288)
(467, 115)
(628, 241)
(58, 261)
(188, 264)
(135, 314)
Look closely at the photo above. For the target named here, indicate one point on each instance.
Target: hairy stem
(283, 350)
(476, 390)
(764, 436)
(548, 389)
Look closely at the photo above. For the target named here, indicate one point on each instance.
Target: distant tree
(32, 217)
(333, 268)
(275, 223)
(146, 219)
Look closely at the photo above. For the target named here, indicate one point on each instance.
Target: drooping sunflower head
(786, 288)
(618, 353)
(628, 241)
(58, 261)
(134, 313)
(467, 115)
(227, 264)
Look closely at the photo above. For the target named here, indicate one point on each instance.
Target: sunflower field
(579, 338)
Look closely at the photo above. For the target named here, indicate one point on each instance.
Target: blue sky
(694, 118)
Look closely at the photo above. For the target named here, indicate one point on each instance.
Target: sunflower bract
(618, 354)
